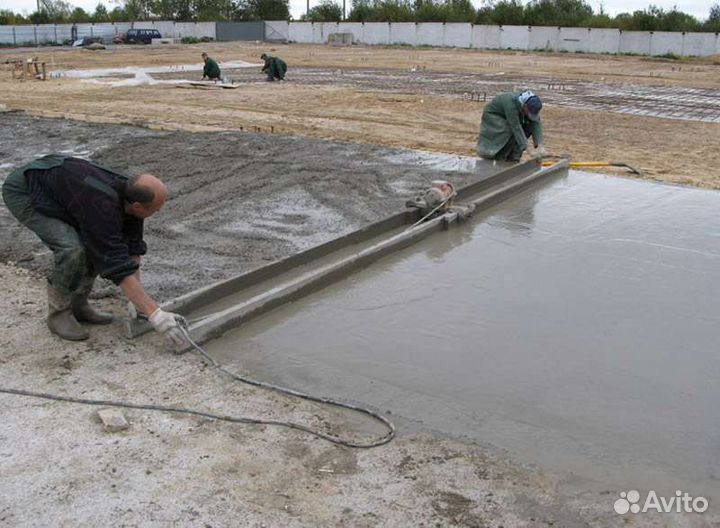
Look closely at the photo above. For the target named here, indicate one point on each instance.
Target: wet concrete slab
(237, 200)
(575, 326)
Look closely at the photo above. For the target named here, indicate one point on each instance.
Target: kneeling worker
(274, 67)
(507, 123)
(211, 70)
(92, 220)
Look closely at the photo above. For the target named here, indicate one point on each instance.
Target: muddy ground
(237, 199)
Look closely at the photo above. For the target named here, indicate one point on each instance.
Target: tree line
(557, 13)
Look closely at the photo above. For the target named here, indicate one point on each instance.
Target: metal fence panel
(227, 31)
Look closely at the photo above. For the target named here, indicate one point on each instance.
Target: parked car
(141, 36)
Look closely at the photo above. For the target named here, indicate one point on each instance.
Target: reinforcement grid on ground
(689, 104)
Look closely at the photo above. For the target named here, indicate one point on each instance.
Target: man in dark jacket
(274, 67)
(211, 70)
(507, 123)
(92, 220)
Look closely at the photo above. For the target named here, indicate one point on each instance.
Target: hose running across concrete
(229, 418)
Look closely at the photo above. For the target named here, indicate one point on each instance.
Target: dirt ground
(253, 178)
(392, 115)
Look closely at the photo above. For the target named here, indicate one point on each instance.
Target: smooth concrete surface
(575, 326)
(238, 308)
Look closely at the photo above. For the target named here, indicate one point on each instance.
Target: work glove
(539, 152)
(171, 326)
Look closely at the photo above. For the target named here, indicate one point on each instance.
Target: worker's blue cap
(534, 105)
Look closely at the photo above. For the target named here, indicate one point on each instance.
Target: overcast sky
(697, 8)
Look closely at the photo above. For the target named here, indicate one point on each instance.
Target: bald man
(92, 220)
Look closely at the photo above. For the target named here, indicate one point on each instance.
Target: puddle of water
(575, 326)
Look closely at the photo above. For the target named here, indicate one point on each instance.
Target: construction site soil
(599, 108)
(237, 199)
(241, 196)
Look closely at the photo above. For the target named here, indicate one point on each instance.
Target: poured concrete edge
(210, 293)
(316, 279)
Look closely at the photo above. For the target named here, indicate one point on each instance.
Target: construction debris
(95, 46)
(113, 420)
(28, 69)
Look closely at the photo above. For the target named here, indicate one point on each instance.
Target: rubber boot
(61, 320)
(82, 310)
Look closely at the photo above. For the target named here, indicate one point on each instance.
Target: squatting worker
(211, 70)
(507, 123)
(274, 67)
(92, 220)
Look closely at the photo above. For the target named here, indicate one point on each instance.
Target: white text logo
(629, 502)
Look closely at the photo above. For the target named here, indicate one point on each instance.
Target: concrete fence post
(682, 44)
(14, 37)
(650, 44)
(35, 34)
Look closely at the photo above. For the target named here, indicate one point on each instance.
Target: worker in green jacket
(211, 70)
(507, 123)
(275, 67)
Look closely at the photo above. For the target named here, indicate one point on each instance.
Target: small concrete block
(113, 420)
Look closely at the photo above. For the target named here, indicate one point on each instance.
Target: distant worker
(211, 70)
(92, 220)
(507, 123)
(274, 67)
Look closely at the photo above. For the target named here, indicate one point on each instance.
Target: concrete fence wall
(526, 38)
(529, 38)
(59, 33)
